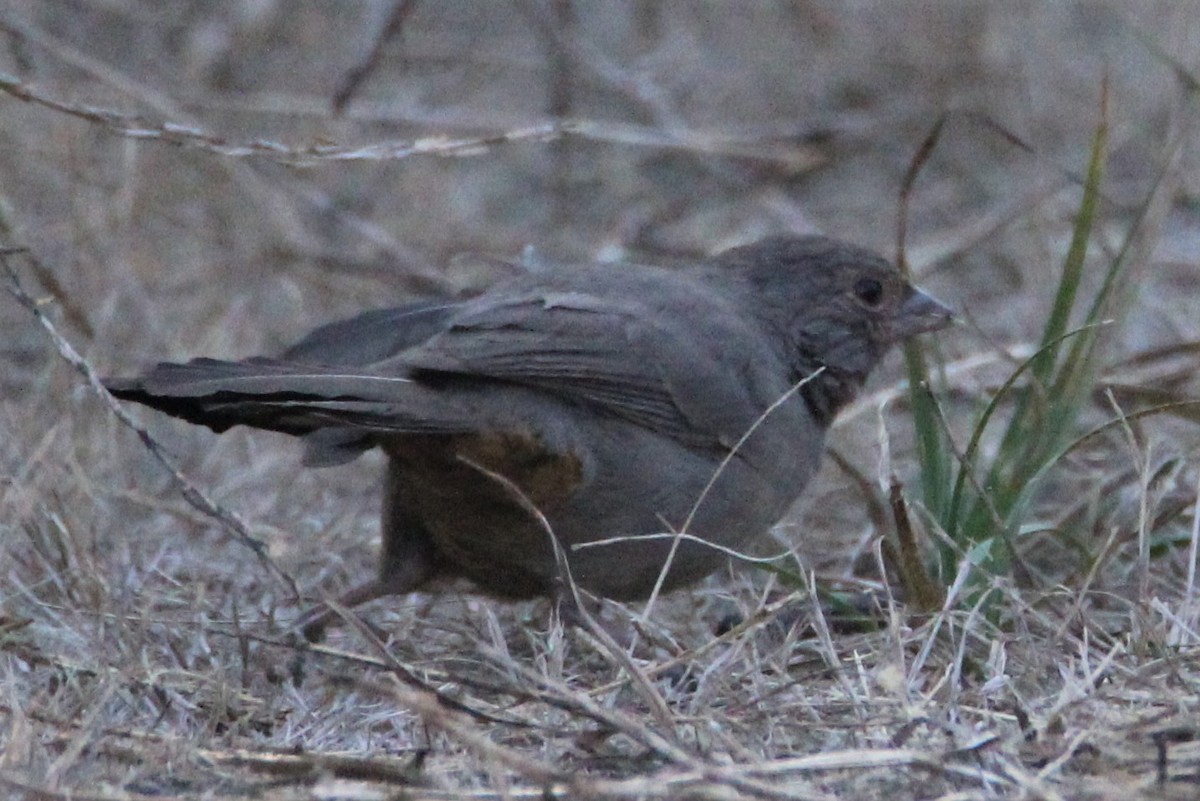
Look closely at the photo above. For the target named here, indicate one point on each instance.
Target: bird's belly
(692, 515)
(482, 502)
(508, 550)
(632, 502)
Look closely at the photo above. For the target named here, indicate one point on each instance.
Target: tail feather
(292, 398)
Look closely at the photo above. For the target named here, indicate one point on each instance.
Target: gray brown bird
(597, 404)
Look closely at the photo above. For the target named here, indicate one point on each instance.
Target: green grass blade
(967, 464)
(1031, 435)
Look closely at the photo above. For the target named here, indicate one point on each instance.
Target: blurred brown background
(701, 125)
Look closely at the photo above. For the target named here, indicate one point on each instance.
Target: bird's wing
(673, 365)
(372, 336)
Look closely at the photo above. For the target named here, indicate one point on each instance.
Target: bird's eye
(869, 291)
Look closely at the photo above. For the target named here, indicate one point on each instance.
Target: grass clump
(981, 498)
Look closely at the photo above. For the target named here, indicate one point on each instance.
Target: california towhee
(598, 403)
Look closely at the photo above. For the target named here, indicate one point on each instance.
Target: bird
(614, 428)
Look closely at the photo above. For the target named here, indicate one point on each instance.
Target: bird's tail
(331, 405)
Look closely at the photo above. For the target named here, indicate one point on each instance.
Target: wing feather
(620, 356)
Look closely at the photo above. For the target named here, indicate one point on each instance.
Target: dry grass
(182, 186)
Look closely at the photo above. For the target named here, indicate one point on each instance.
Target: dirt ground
(179, 179)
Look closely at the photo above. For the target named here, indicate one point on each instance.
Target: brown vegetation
(185, 178)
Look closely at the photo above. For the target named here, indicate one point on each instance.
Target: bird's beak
(919, 314)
